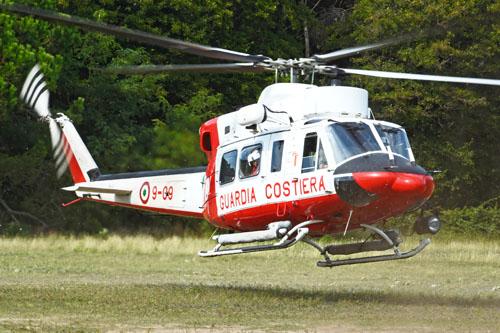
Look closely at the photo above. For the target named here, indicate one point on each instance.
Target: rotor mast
(293, 75)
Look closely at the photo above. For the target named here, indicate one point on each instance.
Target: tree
(452, 127)
(127, 122)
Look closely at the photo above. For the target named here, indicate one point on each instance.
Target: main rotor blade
(135, 35)
(328, 57)
(199, 68)
(423, 77)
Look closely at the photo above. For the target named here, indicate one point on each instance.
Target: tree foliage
(137, 122)
(453, 127)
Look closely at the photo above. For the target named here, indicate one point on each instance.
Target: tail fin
(68, 147)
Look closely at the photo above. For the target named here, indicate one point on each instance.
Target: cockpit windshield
(395, 138)
(350, 139)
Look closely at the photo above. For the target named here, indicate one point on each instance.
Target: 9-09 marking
(165, 193)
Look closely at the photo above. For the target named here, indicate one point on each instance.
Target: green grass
(141, 283)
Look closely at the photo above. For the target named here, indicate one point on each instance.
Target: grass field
(145, 284)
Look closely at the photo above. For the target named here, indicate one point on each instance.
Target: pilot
(254, 162)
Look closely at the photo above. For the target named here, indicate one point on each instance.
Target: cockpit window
(228, 167)
(350, 139)
(395, 138)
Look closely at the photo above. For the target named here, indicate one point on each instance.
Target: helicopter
(303, 161)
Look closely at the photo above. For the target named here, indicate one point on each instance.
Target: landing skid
(385, 240)
(388, 241)
(396, 256)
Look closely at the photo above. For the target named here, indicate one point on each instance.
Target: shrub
(481, 220)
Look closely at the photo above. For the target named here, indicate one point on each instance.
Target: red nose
(408, 183)
(384, 183)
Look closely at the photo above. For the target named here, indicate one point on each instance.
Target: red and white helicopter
(302, 161)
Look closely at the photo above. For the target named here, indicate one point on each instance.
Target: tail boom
(163, 191)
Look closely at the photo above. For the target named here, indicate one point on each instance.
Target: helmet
(253, 156)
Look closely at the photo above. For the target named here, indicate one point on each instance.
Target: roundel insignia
(144, 192)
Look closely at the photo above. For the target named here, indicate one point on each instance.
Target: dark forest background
(146, 122)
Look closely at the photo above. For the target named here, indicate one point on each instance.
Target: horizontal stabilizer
(95, 188)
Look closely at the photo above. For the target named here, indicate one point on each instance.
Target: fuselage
(339, 167)
(328, 170)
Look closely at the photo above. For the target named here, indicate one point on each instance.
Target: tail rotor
(36, 95)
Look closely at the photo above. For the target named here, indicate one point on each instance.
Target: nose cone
(373, 176)
(375, 182)
(387, 183)
(362, 188)
(409, 184)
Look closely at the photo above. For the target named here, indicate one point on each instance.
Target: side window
(228, 167)
(250, 161)
(277, 157)
(322, 162)
(309, 154)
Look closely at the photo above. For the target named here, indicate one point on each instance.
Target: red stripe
(74, 167)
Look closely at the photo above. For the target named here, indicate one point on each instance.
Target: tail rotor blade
(36, 95)
(34, 92)
(59, 148)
